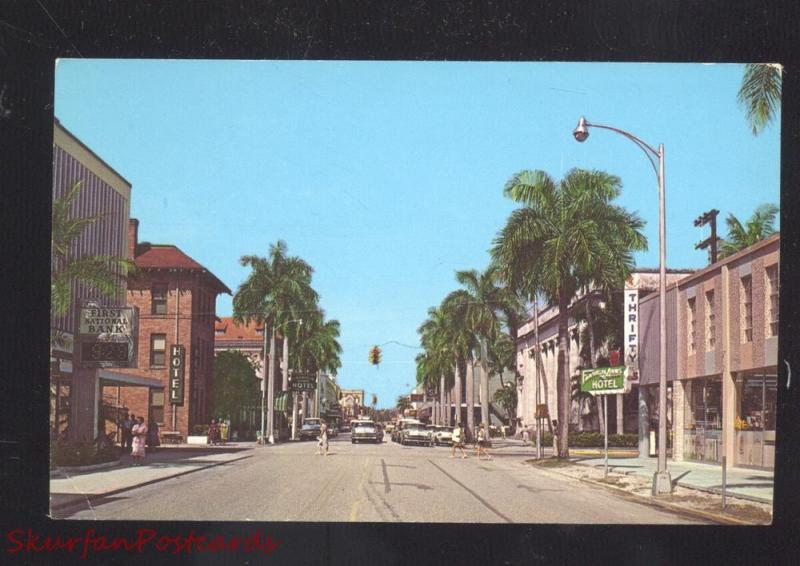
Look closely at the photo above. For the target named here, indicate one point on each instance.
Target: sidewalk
(756, 485)
(80, 488)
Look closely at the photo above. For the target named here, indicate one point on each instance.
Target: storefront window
(757, 394)
(703, 420)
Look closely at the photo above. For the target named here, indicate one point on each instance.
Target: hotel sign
(107, 336)
(603, 381)
(177, 366)
(303, 382)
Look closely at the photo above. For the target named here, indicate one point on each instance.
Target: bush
(200, 430)
(593, 440)
(81, 454)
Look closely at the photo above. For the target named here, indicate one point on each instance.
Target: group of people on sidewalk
(137, 436)
(481, 442)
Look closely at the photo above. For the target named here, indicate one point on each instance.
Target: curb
(717, 518)
(67, 504)
(89, 468)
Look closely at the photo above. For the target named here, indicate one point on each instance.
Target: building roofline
(87, 148)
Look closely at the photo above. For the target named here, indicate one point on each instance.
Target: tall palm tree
(484, 299)
(759, 226)
(403, 403)
(435, 339)
(317, 345)
(561, 237)
(760, 94)
(101, 273)
(277, 291)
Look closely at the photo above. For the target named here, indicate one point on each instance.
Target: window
(691, 319)
(158, 350)
(157, 405)
(711, 329)
(772, 304)
(159, 299)
(747, 308)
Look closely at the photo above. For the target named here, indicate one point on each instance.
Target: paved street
(368, 482)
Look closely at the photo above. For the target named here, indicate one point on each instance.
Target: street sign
(603, 381)
(176, 373)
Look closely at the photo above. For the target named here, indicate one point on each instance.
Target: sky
(387, 177)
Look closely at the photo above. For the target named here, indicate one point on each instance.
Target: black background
(33, 33)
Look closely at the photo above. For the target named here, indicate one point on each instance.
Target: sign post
(605, 382)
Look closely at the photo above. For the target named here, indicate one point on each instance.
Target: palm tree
(101, 273)
(759, 226)
(566, 235)
(760, 94)
(403, 403)
(317, 345)
(483, 300)
(435, 339)
(277, 291)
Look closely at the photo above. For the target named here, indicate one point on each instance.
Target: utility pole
(709, 217)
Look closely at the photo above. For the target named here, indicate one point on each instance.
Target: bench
(171, 437)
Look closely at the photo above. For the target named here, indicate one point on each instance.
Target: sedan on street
(416, 433)
(365, 431)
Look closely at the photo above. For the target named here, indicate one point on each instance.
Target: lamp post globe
(581, 131)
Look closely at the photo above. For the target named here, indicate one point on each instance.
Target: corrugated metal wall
(107, 236)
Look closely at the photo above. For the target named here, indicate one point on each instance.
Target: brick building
(176, 298)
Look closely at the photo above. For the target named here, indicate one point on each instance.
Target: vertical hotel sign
(632, 328)
(176, 372)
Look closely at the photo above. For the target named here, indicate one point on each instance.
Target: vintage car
(401, 424)
(442, 435)
(310, 429)
(415, 433)
(365, 431)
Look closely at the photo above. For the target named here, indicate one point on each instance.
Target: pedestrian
(139, 431)
(526, 436)
(458, 441)
(152, 435)
(212, 432)
(482, 443)
(323, 439)
(127, 436)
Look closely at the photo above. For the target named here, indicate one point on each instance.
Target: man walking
(482, 444)
(458, 442)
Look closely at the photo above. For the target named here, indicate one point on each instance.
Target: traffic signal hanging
(375, 355)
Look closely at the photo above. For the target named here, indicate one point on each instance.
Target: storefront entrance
(756, 399)
(702, 435)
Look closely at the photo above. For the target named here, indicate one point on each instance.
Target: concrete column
(728, 383)
(644, 425)
(620, 414)
(96, 411)
(679, 396)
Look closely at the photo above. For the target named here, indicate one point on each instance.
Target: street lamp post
(662, 482)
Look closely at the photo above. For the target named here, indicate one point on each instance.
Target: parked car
(416, 433)
(345, 427)
(310, 429)
(363, 430)
(442, 435)
(389, 427)
(401, 424)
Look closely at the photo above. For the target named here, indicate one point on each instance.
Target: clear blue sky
(387, 176)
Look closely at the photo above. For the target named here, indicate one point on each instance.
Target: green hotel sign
(603, 381)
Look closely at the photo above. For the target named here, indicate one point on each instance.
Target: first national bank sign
(107, 336)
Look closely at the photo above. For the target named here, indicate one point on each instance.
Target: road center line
(475, 495)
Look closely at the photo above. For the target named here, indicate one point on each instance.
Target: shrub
(81, 454)
(200, 430)
(593, 440)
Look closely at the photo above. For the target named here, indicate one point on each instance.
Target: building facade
(725, 391)
(75, 400)
(176, 298)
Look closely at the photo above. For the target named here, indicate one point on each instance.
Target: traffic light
(375, 355)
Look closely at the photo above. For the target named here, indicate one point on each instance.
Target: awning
(281, 401)
(127, 379)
